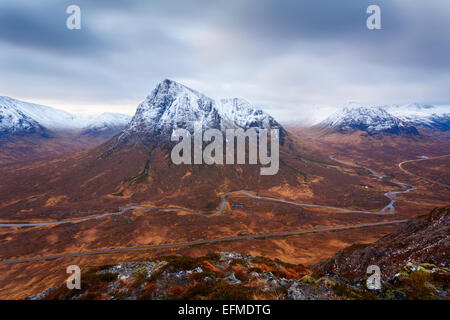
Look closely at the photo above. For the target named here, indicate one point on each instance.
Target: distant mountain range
(19, 118)
(31, 132)
(420, 115)
(387, 119)
(173, 105)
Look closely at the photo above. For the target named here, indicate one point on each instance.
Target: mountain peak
(167, 85)
(172, 105)
(171, 87)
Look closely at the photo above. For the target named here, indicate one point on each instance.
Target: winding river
(389, 209)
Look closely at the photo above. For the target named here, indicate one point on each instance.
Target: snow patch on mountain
(236, 112)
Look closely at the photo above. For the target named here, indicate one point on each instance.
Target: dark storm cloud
(280, 54)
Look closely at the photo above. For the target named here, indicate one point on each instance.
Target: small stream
(391, 194)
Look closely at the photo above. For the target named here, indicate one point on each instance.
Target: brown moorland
(90, 182)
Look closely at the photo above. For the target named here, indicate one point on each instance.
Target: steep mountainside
(422, 240)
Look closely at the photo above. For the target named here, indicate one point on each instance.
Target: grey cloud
(44, 28)
(281, 54)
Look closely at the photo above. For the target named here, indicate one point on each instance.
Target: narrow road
(387, 210)
(400, 165)
(208, 241)
(218, 211)
(122, 210)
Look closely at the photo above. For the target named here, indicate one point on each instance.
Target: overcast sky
(294, 59)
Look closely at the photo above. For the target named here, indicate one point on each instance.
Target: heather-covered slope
(421, 240)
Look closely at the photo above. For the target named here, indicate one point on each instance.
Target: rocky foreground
(413, 260)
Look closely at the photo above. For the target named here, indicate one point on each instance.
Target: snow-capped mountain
(106, 122)
(19, 117)
(422, 115)
(47, 117)
(371, 119)
(172, 105)
(14, 121)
